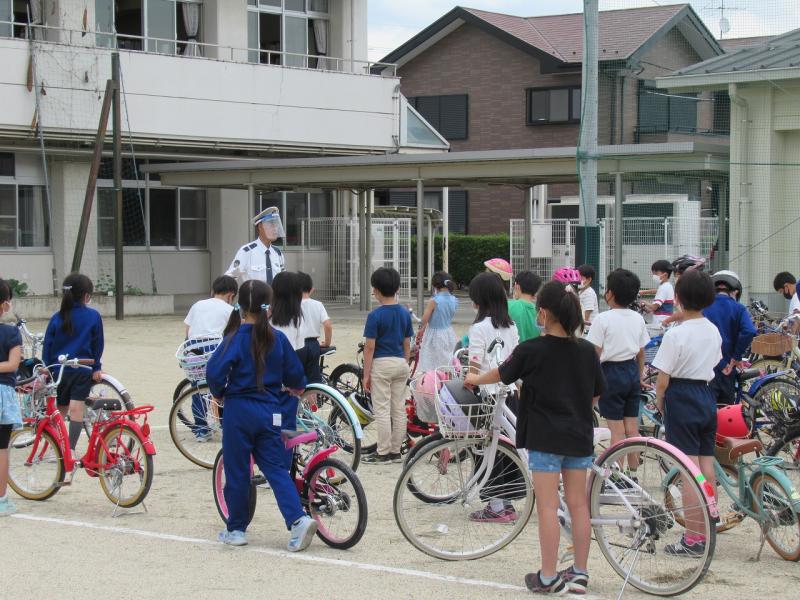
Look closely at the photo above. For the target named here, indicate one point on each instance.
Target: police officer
(260, 259)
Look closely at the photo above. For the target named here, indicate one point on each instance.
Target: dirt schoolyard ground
(71, 547)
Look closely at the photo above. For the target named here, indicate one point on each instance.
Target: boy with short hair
(210, 316)
(620, 335)
(522, 309)
(586, 293)
(388, 333)
(686, 360)
(786, 285)
(663, 305)
(315, 319)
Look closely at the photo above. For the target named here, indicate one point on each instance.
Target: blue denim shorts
(546, 462)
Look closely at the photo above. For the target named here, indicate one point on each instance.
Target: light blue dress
(439, 341)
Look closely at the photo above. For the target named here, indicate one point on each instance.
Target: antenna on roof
(724, 23)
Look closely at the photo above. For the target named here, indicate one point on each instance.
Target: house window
(721, 113)
(24, 218)
(449, 115)
(553, 105)
(162, 26)
(661, 111)
(288, 32)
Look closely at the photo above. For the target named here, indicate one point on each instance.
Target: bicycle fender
(756, 385)
(782, 480)
(115, 383)
(343, 404)
(147, 443)
(318, 458)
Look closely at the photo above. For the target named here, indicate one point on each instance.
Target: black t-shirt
(9, 338)
(560, 377)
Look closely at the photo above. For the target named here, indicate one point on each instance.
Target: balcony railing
(193, 49)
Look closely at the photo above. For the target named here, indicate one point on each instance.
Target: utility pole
(119, 280)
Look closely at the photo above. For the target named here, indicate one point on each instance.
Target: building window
(554, 105)
(294, 207)
(721, 113)
(293, 33)
(661, 111)
(24, 218)
(449, 115)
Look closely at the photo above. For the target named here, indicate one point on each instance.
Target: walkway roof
(526, 167)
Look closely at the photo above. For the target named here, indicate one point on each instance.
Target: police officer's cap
(267, 213)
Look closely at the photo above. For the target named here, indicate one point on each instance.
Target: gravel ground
(71, 542)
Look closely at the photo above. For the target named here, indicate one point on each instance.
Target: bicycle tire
(20, 474)
(218, 490)
(368, 446)
(327, 499)
(333, 420)
(184, 431)
(657, 524)
(119, 466)
(447, 521)
(788, 448)
(419, 446)
(99, 390)
(339, 378)
(769, 494)
(727, 521)
(179, 389)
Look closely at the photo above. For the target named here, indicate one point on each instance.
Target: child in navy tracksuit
(250, 371)
(736, 329)
(77, 332)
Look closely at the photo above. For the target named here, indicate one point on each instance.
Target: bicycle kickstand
(764, 527)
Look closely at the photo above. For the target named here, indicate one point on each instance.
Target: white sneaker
(7, 507)
(302, 533)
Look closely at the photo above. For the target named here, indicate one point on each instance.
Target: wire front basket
(193, 356)
(463, 413)
(32, 397)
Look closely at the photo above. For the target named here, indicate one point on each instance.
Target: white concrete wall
(230, 226)
(34, 268)
(185, 272)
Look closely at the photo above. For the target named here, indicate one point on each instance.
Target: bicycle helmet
(568, 275)
(731, 423)
(729, 279)
(499, 266)
(688, 261)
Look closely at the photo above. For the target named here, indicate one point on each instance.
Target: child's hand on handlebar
(97, 376)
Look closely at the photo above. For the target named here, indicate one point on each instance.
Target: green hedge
(467, 254)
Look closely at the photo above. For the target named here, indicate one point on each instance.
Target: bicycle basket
(463, 413)
(651, 349)
(193, 356)
(32, 399)
(771, 344)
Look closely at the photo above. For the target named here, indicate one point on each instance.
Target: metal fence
(644, 241)
(329, 252)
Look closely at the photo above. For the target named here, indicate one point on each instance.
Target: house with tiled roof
(486, 81)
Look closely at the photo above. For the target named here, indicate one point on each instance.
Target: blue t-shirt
(389, 325)
(9, 338)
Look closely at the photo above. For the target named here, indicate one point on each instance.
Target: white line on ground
(278, 553)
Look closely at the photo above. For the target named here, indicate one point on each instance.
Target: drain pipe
(744, 185)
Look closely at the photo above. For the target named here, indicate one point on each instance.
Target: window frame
(571, 120)
(669, 96)
(413, 100)
(16, 248)
(283, 12)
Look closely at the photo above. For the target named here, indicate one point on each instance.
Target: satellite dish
(724, 25)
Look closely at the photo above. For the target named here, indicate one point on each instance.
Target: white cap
(267, 213)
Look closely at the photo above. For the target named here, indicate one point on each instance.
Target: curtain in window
(321, 38)
(36, 18)
(191, 20)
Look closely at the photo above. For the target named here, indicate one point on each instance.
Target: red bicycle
(120, 452)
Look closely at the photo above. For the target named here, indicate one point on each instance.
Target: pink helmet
(501, 267)
(430, 382)
(568, 275)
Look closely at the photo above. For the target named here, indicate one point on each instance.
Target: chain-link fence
(330, 254)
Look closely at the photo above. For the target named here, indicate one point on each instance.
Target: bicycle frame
(343, 403)
(741, 490)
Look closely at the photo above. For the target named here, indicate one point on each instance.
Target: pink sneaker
(486, 515)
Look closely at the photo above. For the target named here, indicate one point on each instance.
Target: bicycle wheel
(788, 448)
(446, 529)
(729, 515)
(419, 446)
(126, 470)
(776, 504)
(40, 478)
(346, 378)
(340, 422)
(218, 490)
(775, 397)
(634, 521)
(180, 388)
(337, 502)
(323, 410)
(103, 390)
(195, 428)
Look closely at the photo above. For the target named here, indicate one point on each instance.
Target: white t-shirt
(588, 298)
(665, 298)
(794, 304)
(208, 317)
(690, 351)
(293, 333)
(481, 336)
(620, 332)
(314, 315)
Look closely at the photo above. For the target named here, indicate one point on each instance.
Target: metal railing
(175, 47)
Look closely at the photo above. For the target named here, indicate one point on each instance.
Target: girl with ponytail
(436, 337)
(76, 331)
(561, 380)
(253, 372)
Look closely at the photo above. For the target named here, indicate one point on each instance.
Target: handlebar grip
(493, 344)
(85, 361)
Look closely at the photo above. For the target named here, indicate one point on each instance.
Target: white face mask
(541, 320)
(657, 278)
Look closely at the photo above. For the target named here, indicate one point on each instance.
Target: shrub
(467, 254)
(18, 288)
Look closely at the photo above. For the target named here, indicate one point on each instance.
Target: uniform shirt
(588, 298)
(9, 339)
(231, 373)
(250, 262)
(481, 336)
(690, 351)
(664, 301)
(314, 315)
(560, 379)
(620, 332)
(293, 333)
(389, 325)
(734, 325)
(86, 340)
(794, 304)
(523, 313)
(208, 317)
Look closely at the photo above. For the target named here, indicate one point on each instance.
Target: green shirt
(523, 313)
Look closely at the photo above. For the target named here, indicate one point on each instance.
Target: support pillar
(420, 247)
(445, 230)
(368, 200)
(619, 198)
(526, 237)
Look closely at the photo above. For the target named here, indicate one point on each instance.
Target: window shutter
(683, 113)
(402, 198)
(428, 107)
(453, 117)
(458, 211)
(653, 110)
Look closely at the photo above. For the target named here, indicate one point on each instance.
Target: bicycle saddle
(736, 447)
(106, 404)
(326, 351)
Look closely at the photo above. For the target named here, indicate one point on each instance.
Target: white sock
(497, 504)
(2, 498)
